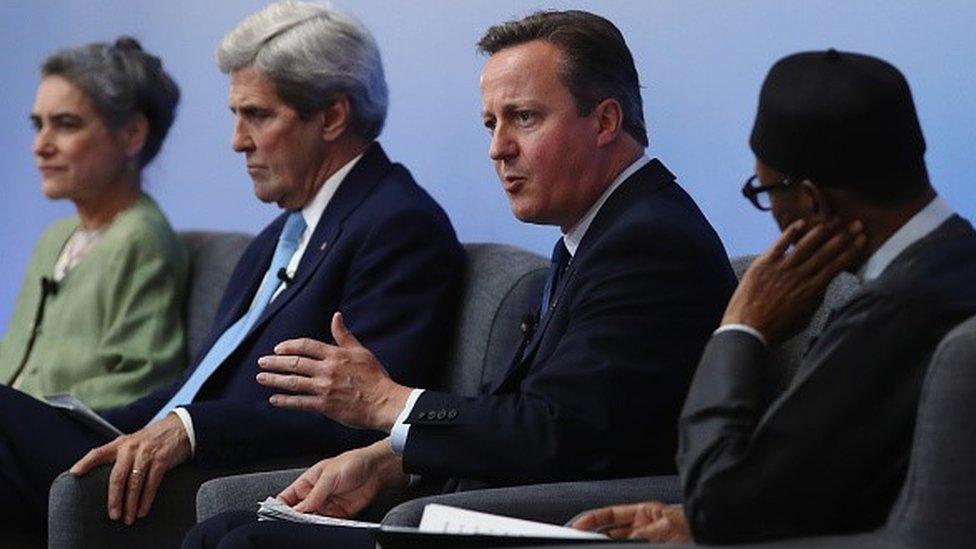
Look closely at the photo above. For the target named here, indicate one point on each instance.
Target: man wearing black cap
(839, 161)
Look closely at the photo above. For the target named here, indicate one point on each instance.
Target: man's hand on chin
(141, 459)
(782, 288)
(344, 485)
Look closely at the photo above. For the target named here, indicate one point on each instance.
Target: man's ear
(336, 118)
(816, 204)
(610, 120)
(133, 134)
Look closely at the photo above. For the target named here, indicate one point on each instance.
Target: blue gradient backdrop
(701, 64)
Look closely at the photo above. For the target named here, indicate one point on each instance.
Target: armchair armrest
(554, 503)
(78, 517)
(241, 491)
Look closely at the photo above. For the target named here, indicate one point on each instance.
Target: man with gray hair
(358, 235)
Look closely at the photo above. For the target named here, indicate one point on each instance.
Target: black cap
(837, 118)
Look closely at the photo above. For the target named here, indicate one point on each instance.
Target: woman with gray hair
(99, 313)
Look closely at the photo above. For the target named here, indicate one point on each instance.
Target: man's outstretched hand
(344, 382)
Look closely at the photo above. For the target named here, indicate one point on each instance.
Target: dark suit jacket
(598, 389)
(830, 454)
(384, 254)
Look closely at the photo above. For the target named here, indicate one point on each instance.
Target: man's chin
(283, 202)
(522, 214)
(265, 193)
(531, 217)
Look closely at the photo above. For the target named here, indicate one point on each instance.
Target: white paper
(444, 519)
(273, 509)
(78, 409)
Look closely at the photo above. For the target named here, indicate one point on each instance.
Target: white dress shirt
(572, 239)
(928, 219)
(312, 213)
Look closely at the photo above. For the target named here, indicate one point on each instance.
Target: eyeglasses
(758, 194)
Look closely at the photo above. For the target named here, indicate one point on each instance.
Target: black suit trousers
(241, 530)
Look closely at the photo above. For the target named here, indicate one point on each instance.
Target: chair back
(501, 285)
(213, 256)
(937, 504)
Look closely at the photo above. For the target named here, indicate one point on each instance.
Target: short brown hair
(595, 62)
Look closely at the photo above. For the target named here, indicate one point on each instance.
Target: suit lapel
(351, 192)
(251, 281)
(524, 355)
(648, 179)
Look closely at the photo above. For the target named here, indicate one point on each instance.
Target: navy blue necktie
(560, 260)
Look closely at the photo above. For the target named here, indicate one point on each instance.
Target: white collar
(916, 228)
(575, 235)
(312, 211)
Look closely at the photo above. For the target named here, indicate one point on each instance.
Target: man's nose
(502, 146)
(241, 140)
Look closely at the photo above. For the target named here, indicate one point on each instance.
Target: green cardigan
(113, 331)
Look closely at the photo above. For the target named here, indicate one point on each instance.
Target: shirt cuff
(398, 435)
(742, 328)
(188, 425)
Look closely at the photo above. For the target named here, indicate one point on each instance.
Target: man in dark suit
(840, 163)
(358, 235)
(637, 285)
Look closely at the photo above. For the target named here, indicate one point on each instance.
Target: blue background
(701, 64)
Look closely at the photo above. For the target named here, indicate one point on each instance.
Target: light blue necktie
(232, 337)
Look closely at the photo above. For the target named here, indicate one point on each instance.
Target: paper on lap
(445, 519)
(437, 519)
(77, 409)
(273, 509)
